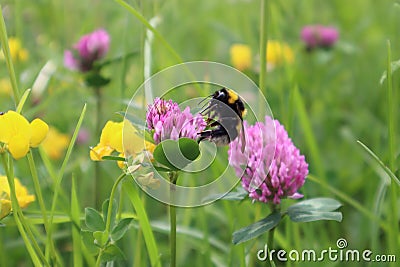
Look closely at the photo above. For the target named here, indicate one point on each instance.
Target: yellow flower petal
(99, 151)
(39, 132)
(133, 142)
(278, 53)
(240, 56)
(23, 196)
(111, 135)
(5, 208)
(121, 164)
(18, 146)
(12, 124)
(55, 143)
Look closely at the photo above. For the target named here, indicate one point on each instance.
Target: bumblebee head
(226, 95)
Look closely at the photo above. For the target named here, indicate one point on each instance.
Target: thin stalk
(97, 173)
(18, 216)
(38, 190)
(173, 176)
(109, 212)
(270, 242)
(7, 56)
(263, 45)
(393, 220)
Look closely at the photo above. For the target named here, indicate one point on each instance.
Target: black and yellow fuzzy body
(224, 112)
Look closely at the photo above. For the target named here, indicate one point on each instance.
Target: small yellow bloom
(121, 137)
(17, 52)
(18, 134)
(278, 53)
(5, 86)
(39, 132)
(240, 56)
(55, 143)
(23, 196)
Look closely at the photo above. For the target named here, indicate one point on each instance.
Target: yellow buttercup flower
(19, 135)
(17, 52)
(278, 53)
(55, 143)
(23, 196)
(240, 56)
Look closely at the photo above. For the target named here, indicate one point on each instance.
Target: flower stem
(7, 56)
(173, 177)
(109, 212)
(97, 173)
(36, 184)
(270, 242)
(19, 218)
(263, 45)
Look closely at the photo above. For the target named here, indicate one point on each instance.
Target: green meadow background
(327, 100)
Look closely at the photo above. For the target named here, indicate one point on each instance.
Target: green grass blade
(381, 164)
(23, 100)
(309, 135)
(7, 55)
(62, 169)
(133, 194)
(76, 225)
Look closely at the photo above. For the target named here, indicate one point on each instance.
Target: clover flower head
(90, 48)
(319, 36)
(23, 196)
(275, 169)
(169, 122)
(240, 56)
(19, 135)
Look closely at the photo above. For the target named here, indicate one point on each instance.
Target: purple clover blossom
(169, 122)
(90, 48)
(275, 169)
(319, 36)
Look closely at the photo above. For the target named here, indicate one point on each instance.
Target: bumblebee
(224, 113)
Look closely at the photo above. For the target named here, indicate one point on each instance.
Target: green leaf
(310, 216)
(381, 164)
(257, 228)
(114, 158)
(113, 212)
(238, 195)
(315, 204)
(315, 209)
(100, 238)
(95, 79)
(112, 253)
(176, 155)
(88, 241)
(120, 229)
(93, 219)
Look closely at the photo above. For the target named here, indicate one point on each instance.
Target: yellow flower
(17, 52)
(110, 140)
(55, 143)
(121, 137)
(240, 56)
(5, 87)
(278, 53)
(18, 134)
(23, 197)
